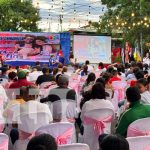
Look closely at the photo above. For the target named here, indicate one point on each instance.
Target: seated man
(61, 92)
(34, 74)
(46, 77)
(63, 109)
(31, 105)
(136, 111)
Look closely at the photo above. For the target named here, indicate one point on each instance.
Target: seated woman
(98, 100)
(89, 83)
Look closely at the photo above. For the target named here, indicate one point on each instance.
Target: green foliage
(18, 16)
(126, 19)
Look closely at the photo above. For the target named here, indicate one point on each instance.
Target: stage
(21, 62)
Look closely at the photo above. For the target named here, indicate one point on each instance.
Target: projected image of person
(25, 47)
(41, 47)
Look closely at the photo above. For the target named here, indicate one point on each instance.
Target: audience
(113, 142)
(93, 93)
(42, 142)
(135, 111)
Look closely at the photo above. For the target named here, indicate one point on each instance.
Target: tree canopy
(130, 18)
(18, 16)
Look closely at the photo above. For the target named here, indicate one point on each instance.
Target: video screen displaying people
(30, 46)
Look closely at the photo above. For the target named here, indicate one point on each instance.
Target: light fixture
(117, 17)
(145, 24)
(145, 18)
(122, 24)
(132, 14)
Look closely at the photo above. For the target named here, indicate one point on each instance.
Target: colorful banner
(29, 46)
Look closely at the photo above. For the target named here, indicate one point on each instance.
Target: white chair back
(119, 92)
(139, 143)
(31, 122)
(64, 110)
(101, 115)
(4, 139)
(63, 132)
(119, 88)
(140, 127)
(76, 146)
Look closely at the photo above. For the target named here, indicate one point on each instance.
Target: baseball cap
(22, 74)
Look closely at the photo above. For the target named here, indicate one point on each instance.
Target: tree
(130, 18)
(16, 15)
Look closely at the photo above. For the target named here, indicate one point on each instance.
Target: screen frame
(93, 34)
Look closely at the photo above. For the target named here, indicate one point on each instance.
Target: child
(142, 84)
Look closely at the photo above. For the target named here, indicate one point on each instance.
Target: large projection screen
(93, 48)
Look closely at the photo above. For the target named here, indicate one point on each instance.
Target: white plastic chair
(4, 139)
(63, 132)
(27, 125)
(140, 127)
(93, 122)
(64, 110)
(139, 143)
(76, 146)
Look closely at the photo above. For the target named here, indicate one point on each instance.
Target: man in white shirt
(34, 74)
(31, 105)
(90, 68)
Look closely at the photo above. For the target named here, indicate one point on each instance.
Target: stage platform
(29, 62)
(25, 62)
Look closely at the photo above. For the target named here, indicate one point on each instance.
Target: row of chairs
(135, 143)
(4, 142)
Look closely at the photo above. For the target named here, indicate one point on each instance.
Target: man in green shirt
(136, 111)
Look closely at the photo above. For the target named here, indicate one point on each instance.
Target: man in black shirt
(46, 77)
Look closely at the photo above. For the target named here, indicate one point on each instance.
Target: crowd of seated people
(35, 89)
